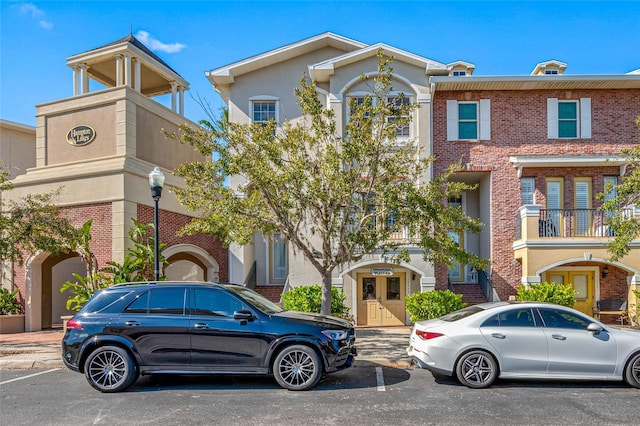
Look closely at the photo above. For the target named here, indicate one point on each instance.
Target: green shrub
(308, 298)
(433, 304)
(560, 294)
(9, 303)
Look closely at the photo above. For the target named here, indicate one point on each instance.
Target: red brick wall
(100, 237)
(170, 223)
(519, 127)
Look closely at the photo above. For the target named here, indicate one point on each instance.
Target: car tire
(632, 372)
(110, 369)
(297, 368)
(477, 369)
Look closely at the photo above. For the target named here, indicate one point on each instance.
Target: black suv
(201, 328)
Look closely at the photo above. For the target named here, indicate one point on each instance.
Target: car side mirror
(594, 328)
(243, 315)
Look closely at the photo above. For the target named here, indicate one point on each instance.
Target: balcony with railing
(532, 223)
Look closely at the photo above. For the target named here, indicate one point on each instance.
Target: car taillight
(74, 324)
(426, 335)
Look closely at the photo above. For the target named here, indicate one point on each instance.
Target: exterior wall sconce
(605, 271)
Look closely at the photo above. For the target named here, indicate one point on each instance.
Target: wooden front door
(583, 282)
(381, 300)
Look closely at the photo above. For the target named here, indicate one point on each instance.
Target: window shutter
(583, 203)
(552, 118)
(585, 118)
(527, 188)
(485, 119)
(582, 195)
(609, 194)
(452, 120)
(553, 195)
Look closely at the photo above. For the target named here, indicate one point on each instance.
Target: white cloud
(157, 45)
(34, 12)
(30, 9)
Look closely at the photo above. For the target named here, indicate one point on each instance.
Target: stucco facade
(514, 123)
(103, 173)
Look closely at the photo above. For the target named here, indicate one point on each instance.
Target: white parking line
(380, 379)
(30, 375)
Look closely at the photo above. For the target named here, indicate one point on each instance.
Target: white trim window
(527, 190)
(263, 109)
(403, 132)
(468, 120)
(569, 119)
(278, 264)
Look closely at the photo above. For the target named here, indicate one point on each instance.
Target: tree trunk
(326, 293)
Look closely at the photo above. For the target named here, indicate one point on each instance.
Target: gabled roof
(323, 70)
(552, 64)
(227, 74)
(156, 77)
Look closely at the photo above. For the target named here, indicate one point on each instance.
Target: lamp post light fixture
(156, 182)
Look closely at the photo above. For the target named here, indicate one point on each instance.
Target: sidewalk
(42, 349)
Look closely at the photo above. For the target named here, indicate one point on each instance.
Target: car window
(104, 301)
(159, 301)
(492, 321)
(521, 317)
(557, 318)
(215, 303)
(462, 313)
(256, 300)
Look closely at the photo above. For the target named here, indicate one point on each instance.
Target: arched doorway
(190, 263)
(56, 270)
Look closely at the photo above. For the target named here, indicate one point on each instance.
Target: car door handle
(558, 337)
(498, 335)
(201, 326)
(132, 324)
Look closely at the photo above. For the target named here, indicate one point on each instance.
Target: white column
(174, 86)
(137, 75)
(76, 81)
(118, 70)
(84, 77)
(127, 69)
(181, 93)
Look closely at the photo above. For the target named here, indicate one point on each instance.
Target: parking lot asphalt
(41, 349)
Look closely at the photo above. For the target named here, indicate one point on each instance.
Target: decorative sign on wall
(382, 271)
(81, 135)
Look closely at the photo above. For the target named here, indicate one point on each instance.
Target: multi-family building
(539, 148)
(99, 146)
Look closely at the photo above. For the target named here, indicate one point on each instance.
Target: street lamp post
(156, 181)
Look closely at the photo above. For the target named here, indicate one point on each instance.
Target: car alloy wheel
(477, 369)
(297, 367)
(632, 372)
(110, 369)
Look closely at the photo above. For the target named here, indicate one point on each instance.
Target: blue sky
(499, 37)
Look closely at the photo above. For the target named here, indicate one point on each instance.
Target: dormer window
(460, 69)
(552, 67)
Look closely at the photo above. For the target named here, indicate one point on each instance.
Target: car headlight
(335, 334)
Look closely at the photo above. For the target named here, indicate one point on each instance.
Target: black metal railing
(569, 223)
(485, 282)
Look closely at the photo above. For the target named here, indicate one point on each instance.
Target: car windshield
(258, 301)
(462, 313)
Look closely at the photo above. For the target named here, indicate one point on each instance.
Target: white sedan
(528, 340)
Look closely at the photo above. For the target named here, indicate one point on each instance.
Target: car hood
(317, 319)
